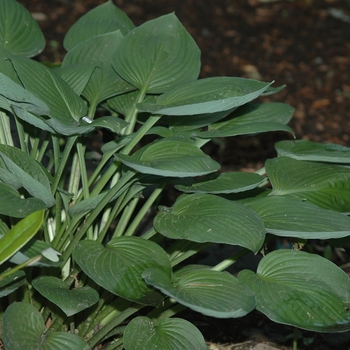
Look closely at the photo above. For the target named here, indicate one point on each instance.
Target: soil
(304, 44)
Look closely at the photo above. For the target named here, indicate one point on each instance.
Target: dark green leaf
(208, 218)
(12, 282)
(158, 55)
(325, 185)
(301, 289)
(213, 293)
(102, 19)
(118, 268)
(205, 96)
(169, 334)
(69, 301)
(19, 32)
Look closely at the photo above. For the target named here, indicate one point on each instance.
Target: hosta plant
(96, 235)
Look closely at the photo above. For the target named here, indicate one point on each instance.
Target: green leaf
(170, 334)
(17, 96)
(118, 268)
(158, 55)
(231, 182)
(19, 32)
(29, 173)
(76, 75)
(19, 235)
(208, 218)
(325, 185)
(104, 82)
(290, 218)
(12, 282)
(69, 301)
(114, 124)
(124, 103)
(170, 158)
(302, 290)
(314, 151)
(251, 119)
(212, 293)
(24, 328)
(65, 105)
(102, 19)
(13, 205)
(205, 96)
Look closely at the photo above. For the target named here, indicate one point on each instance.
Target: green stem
(127, 213)
(95, 212)
(295, 339)
(115, 322)
(223, 265)
(142, 212)
(5, 130)
(21, 136)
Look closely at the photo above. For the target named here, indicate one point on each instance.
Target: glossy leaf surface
(301, 289)
(208, 218)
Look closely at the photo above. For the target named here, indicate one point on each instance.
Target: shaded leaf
(170, 158)
(314, 151)
(290, 218)
(205, 96)
(212, 293)
(158, 55)
(12, 282)
(301, 289)
(118, 268)
(208, 218)
(170, 333)
(102, 19)
(19, 32)
(24, 328)
(325, 185)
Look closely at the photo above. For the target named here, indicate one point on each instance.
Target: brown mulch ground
(304, 44)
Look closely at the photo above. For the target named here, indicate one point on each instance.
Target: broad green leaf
(231, 182)
(205, 96)
(65, 105)
(212, 293)
(76, 76)
(17, 96)
(208, 218)
(12, 282)
(102, 19)
(20, 234)
(69, 301)
(192, 122)
(170, 158)
(124, 103)
(290, 218)
(6, 66)
(13, 205)
(169, 333)
(158, 55)
(302, 290)
(19, 32)
(24, 328)
(30, 174)
(314, 151)
(325, 185)
(104, 81)
(118, 267)
(251, 119)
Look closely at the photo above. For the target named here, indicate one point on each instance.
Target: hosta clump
(77, 251)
